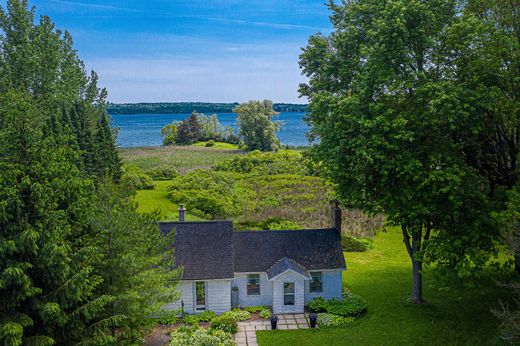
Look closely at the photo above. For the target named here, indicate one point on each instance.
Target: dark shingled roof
(204, 249)
(313, 249)
(283, 265)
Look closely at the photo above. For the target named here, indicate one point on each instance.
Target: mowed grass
(383, 276)
(183, 158)
(157, 199)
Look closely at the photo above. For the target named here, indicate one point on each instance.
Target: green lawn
(182, 158)
(150, 200)
(218, 145)
(383, 277)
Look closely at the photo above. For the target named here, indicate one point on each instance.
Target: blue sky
(193, 50)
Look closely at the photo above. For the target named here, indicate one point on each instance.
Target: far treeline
(188, 107)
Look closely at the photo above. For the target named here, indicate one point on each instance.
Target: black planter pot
(274, 321)
(312, 319)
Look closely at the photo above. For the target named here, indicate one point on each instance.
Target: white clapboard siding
(299, 293)
(218, 295)
(332, 281)
(266, 291)
(186, 295)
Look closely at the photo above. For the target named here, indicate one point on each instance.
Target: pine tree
(47, 286)
(137, 263)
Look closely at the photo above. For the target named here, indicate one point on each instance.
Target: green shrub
(318, 304)
(330, 320)
(200, 337)
(238, 315)
(353, 305)
(266, 313)
(258, 308)
(168, 318)
(210, 143)
(265, 163)
(225, 323)
(134, 178)
(162, 173)
(351, 244)
(205, 316)
(191, 319)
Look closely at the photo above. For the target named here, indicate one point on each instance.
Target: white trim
(289, 270)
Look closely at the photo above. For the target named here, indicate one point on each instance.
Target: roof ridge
(285, 230)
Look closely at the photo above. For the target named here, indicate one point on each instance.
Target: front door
(200, 296)
(288, 294)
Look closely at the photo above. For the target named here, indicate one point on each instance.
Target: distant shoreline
(188, 107)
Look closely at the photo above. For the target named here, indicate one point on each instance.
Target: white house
(283, 269)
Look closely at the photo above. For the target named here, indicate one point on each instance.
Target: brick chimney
(182, 212)
(336, 217)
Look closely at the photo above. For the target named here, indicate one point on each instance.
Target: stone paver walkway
(246, 335)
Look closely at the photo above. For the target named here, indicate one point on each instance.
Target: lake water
(136, 130)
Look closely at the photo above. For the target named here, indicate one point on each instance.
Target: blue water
(137, 130)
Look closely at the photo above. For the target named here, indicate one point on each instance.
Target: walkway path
(246, 335)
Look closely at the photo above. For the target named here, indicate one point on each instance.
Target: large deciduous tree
(257, 129)
(395, 125)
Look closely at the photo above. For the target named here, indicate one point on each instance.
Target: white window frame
(293, 294)
(312, 280)
(259, 286)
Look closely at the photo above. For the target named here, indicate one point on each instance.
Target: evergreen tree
(40, 60)
(137, 263)
(47, 286)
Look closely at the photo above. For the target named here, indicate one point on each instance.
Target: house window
(200, 295)
(288, 293)
(316, 283)
(253, 285)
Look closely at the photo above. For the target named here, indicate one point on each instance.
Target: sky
(192, 50)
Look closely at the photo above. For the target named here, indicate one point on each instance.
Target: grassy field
(182, 158)
(150, 200)
(383, 277)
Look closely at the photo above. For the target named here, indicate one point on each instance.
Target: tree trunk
(417, 282)
(413, 251)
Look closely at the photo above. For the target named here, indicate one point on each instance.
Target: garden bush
(168, 318)
(162, 173)
(134, 178)
(266, 313)
(225, 323)
(318, 304)
(258, 308)
(200, 337)
(351, 244)
(210, 143)
(330, 320)
(205, 316)
(238, 315)
(353, 305)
